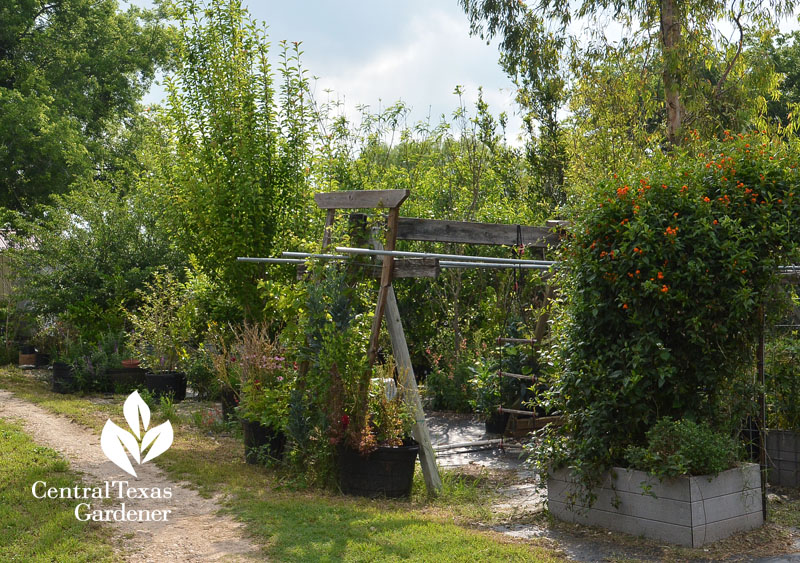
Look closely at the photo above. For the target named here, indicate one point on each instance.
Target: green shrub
(450, 387)
(683, 447)
(783, 382)
(662, 278)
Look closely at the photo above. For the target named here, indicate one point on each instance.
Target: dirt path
(194, 530)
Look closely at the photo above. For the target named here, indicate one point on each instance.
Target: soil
(195, 531)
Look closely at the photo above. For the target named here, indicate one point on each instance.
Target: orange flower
(661, 275)
(664, 289)
(624, 305)
(706, 199)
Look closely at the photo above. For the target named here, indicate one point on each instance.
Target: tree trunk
(670, 39)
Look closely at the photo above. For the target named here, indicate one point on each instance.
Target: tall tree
(70, 72)
(238, 186)
(678, 26)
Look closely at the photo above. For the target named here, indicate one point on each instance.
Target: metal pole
(522, 265)
(459, 257)
(317, 256)
(762, 407)
(271, 260)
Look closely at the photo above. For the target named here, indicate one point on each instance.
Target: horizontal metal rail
(517, 376)
(271, 260)
(502, 340)
(479, 443)
(316, 256)
(521, 265)
(457, 257)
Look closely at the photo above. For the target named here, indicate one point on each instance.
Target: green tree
(685, 36)
(237, 174)
(83, 258)
(70, 72)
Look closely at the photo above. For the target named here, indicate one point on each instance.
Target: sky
(376, 53)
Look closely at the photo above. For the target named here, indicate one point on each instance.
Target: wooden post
(386, 284)
(427, 457)
(405, 370)
(330, 216)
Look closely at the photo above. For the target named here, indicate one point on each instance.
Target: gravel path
(194, 530)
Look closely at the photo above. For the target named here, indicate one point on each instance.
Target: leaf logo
(115, 440)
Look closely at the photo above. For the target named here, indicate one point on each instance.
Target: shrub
(662, 279)
(683, 447)
(783, 382)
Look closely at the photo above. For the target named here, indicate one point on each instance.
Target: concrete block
(783, 458)
(689, 511)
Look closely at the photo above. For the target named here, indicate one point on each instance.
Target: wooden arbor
(403, 228)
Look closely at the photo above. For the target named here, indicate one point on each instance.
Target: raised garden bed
(688, 511)
(783, 458)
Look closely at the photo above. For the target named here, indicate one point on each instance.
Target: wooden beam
(330, 217)
(410, 228)
(361, 199)
(386, 284)
(427, 457)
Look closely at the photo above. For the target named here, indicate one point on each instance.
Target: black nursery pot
(63, 378)
(497, 422)
(228, 399)
(385, 472)
(165, 382)
(262, 441)
(126, 379)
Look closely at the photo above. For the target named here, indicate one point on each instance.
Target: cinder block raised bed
(688, 511)
(783, 458)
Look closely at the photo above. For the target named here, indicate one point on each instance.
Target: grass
(34, 529)
(311, 525)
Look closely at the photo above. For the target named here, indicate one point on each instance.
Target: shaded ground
(521, 513)
(194, 532)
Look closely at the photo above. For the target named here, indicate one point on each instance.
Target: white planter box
(688, 511)
(783, 458)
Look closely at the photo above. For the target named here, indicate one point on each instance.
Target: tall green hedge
(662, 279)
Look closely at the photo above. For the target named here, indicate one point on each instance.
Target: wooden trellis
(414, 229)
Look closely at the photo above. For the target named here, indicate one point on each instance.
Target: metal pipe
(459, 257)
(318, 256)
(271, 260)
(521, 265)
(483, 443)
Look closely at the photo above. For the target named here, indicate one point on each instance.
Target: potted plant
(265, 385)
(490, 392)
(227, 373)
(375, 452)
(59, 340)
(161, 330)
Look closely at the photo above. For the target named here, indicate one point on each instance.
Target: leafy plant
(683, 447)
(161, 324)
(783, 382)
(662, 278)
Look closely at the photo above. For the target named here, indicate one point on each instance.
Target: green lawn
(311, 525)
(41, 529)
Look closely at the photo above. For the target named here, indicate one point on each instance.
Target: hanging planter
(384, 472)
(63, 378)
(166, 382)
(262, 442)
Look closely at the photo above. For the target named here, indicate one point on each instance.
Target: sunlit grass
(314, 525)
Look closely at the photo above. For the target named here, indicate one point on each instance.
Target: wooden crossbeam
(361, 199)
(465, 232)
